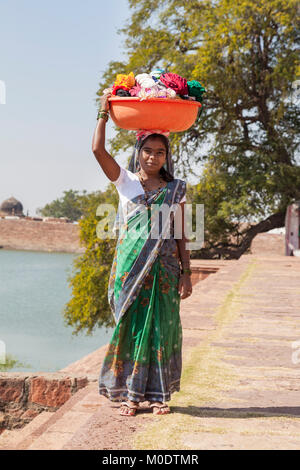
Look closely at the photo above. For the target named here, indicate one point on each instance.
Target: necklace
(147, 191)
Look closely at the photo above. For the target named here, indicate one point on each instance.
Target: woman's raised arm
(108, 164)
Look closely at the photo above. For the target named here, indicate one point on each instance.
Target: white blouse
(129, 186)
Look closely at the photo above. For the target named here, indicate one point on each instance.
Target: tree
(71, 205)
(245, 53)
(88, 307)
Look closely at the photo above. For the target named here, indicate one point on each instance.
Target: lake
(33, 292)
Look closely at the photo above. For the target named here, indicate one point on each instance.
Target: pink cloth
(143, 133)
(134, 91)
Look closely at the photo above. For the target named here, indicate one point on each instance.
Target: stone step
(51, 430)
(10, 438)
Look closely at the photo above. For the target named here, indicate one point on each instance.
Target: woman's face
(152, 155)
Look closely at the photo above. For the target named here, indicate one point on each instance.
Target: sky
(52, 56)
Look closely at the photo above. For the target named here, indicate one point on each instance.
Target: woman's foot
(128, 408)
(159, 408)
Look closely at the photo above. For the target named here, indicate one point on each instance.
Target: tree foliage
(71, 205)
(88, 306)
(245, 142)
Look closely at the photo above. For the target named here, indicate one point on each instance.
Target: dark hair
(163, 172)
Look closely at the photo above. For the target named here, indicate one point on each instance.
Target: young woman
(144, 358)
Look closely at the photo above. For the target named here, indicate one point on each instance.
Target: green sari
(144, 357)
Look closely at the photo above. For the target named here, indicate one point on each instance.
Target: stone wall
(39, 235)
(200, 273)
(54, 235)
(268, 244)
(24, 395)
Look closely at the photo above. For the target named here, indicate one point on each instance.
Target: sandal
(132, 409)
(163, 408)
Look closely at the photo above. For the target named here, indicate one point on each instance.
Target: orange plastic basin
(174, 115)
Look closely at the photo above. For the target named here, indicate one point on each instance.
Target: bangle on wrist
(103, 114)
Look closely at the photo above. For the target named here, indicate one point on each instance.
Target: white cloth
(129, 186)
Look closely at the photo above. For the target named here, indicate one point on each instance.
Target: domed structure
(11, 206)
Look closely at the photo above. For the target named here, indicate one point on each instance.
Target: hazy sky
(52, 55)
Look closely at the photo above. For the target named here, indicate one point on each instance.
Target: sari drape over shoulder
(129, 271)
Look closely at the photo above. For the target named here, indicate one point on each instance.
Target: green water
(33, 292)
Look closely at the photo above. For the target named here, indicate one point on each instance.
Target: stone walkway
(240, 383)
(243, 390)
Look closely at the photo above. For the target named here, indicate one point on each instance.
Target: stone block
(11, 389)
(50, 392)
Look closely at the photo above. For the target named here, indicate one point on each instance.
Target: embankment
(40, 235)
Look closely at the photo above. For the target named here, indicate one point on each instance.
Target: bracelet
(103, 111)
(103, 114)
